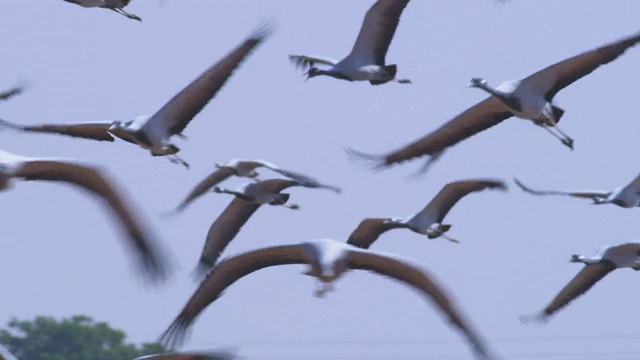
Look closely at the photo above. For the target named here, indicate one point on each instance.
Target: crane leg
(124, 13)
(291, 206)
(564, 138)
(177, 160)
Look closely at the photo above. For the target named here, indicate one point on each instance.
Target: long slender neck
(497, 93)
(587, 261)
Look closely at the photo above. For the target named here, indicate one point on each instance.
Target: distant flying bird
(369, 230)
(328, 260)
(153, 132)
(192, 355)
(115, 5)
(94, 181)
(248, 200)
(244, 168)
(627, 196)
(597, 267)
(530, 98)
(7, 94)
(366, 62)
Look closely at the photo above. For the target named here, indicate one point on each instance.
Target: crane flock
(530, 98)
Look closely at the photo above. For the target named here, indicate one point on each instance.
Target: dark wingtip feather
(154, 269)
(263, 31)
(174, 336)
(375, 162)
(499, 185)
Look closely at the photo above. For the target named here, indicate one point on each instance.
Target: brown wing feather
(570, 70)
(451, 193)
(226, 273)
(91, 131)
(482, 116)
(275, 185)
(378, 28)
(184, 106)
(583, 281)
(203, 186)
(368, 232)
(225, 228)
(95, 182)
(420, 280)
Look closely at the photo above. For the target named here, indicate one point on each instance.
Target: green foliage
(76, 338)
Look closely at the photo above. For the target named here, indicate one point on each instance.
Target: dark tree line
(75, 338)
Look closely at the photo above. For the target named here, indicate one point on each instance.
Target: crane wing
(95, 182)
(203, 186)
(421, 281)
(223, 231)
(482, 116)
(305, 62)
(451, 193)
(580, 284)
(368, 232)
(377, 30)
(227, 272)
(93, 130)
(588, 194)
(176, 114)
(556, 77)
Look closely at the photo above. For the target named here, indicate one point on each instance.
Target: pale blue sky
(61, 255)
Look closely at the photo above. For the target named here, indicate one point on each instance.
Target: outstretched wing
(226, 273)
(203, 186)
(305, 62)
(224, 229)
(92, 180)
(451, 193)
(275, 185)
(368, 232)
(583, 281)
(302, 179)
(420, 280)
(480, 117)
(377, 31)
(183, 107)
(92, 131)
(556, 77)
(588, 194)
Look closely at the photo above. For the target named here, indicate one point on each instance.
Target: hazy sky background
(61, 254)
